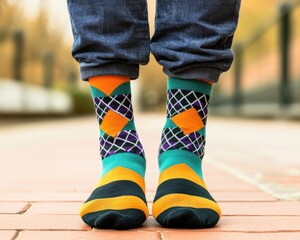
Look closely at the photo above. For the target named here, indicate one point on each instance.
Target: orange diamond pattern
(113, 123)
(188, 121)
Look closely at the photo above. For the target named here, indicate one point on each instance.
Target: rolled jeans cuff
(210, 74)
(123, 69)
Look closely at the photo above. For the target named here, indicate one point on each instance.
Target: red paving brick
(46, 187)
(261, 208)
(259, 224)
(59, 208)
(255, 196)
(93, 235)
(191, 235)
(231, 187)
(44, 196)
(56, 186)
(12, 207)
(41, 222)
(7, 235)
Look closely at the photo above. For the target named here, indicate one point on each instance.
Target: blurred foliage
(8, 16)
(261, 59)
(40, 40)
(82, 102)
(153, 82)
(252, 14)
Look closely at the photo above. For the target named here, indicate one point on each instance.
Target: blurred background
(38, 76)
(49, 134)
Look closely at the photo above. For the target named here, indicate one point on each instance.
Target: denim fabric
(192, 38)
(110, 36)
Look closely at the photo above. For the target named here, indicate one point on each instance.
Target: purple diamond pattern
(120, 103)
(180, 100)
(174, 138)
(125, 141)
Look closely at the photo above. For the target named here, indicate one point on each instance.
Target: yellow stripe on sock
(182, 200)
(121, 173)
(181, 171)
(115, 203)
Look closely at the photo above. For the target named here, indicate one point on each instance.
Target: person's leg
(192, 42)
(111, 39)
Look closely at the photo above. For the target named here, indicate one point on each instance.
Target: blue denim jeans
(192, 38)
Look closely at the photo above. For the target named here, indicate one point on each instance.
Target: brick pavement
(49, 168)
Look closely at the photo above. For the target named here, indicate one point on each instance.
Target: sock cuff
(190, 84)
(109, 78)
(109, 85)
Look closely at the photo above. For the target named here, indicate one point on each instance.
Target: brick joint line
(276, 192)
(161, 236)
(25, 208)
(15, 236)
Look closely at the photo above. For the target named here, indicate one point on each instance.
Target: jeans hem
(123, 69)
(209, 74)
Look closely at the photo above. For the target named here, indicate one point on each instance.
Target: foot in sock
(118, 201)
(182, 199)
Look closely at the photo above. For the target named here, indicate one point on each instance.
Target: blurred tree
(153, 84)
(10, 16)
(40, 40)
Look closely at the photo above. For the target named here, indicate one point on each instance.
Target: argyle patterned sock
(182, 199)
(118, 200)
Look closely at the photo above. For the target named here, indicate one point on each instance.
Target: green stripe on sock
(193, 85)
(129, 126)
(101, 132)
(122, 89)
(202, 131)
(177, 156)
(96, 92)
(170, 123)
(127, 160)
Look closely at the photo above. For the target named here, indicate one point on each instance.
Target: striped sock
(182, 199)
(118, 200)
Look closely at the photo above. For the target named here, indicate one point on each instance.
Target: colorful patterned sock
(118, 200)
(182, 199)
